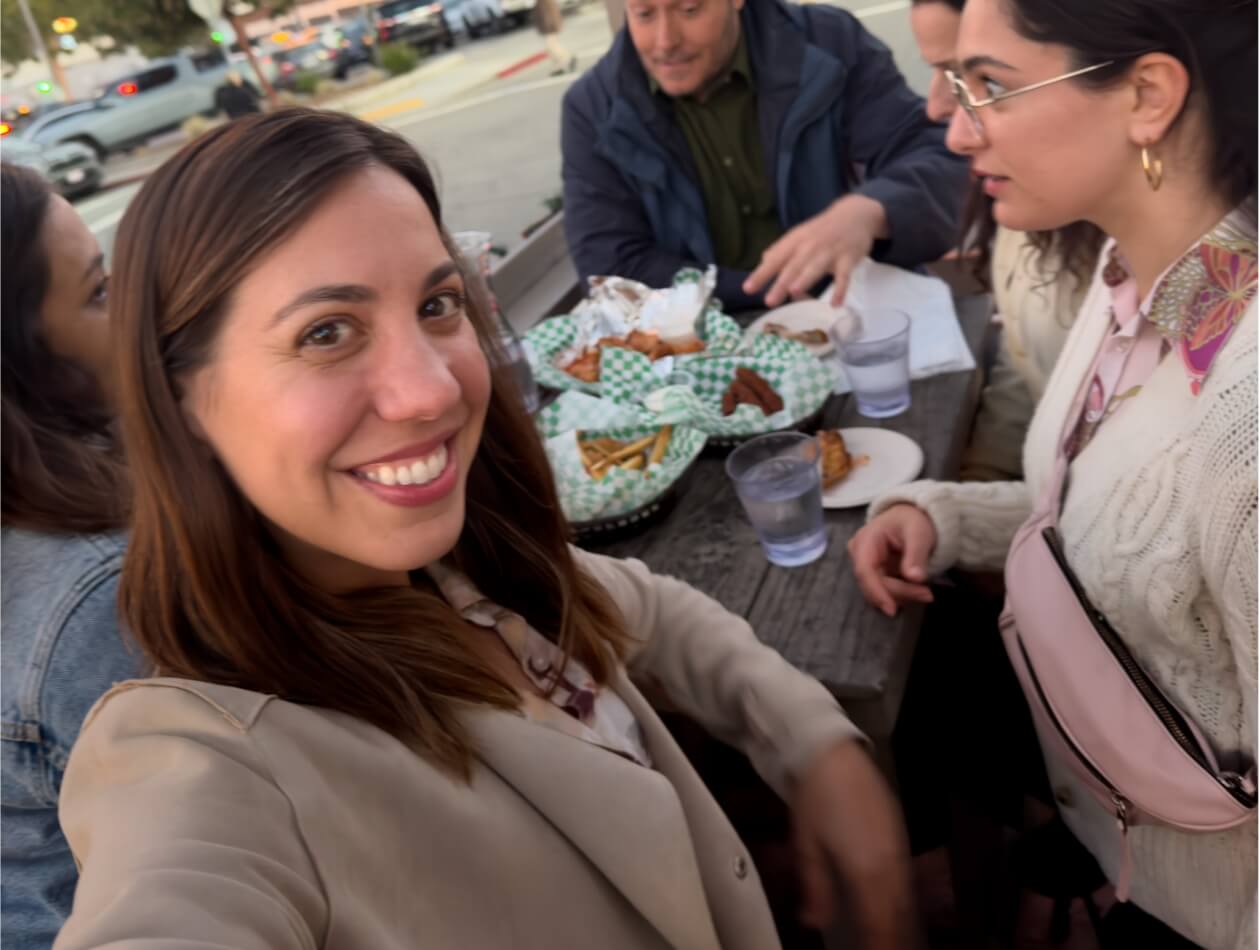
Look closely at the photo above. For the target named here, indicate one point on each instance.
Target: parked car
(313, 57)
(353, 44)
(136, 107)
(418, 22)
(71, 168)
(472, 18)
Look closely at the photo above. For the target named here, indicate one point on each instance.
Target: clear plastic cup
(475, 248)
(874, 351)
(778, 481)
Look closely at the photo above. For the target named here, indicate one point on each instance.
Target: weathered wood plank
(815, 615)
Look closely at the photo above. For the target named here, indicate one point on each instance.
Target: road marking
(493, 96)
(384, 112)
(522, 64)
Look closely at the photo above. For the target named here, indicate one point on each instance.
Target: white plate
(799, 316)
(894, 459)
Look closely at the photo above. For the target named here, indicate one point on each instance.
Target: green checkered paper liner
(584, 498)
(634, 394)
(558, 341)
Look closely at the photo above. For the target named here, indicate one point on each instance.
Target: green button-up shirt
(725, 142)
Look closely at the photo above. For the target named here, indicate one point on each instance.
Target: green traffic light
(217, 36)
(44, 87)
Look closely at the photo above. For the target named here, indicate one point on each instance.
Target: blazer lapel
(626, 819)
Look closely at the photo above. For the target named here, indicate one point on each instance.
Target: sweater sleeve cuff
(937, 501)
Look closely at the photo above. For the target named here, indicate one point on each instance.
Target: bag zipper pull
(1126, 856)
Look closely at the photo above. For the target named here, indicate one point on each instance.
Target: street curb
(519, 65)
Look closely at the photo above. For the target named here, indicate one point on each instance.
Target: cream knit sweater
(1159, 524)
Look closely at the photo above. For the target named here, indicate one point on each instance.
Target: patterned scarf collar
(1197, 302)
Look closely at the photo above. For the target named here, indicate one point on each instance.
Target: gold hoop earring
(1153, 168)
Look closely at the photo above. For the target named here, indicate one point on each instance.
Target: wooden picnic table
(815, 616)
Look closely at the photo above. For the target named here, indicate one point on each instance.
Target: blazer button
(1063, 795)
(741, 867)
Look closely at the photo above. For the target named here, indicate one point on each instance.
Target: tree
(155, 27)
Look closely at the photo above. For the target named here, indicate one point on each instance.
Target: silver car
(71, 168)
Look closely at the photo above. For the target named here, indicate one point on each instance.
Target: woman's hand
(890, 558)
(848, 826)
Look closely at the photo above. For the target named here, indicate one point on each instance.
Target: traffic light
(44, 88)
(217, 36)
(64, 24)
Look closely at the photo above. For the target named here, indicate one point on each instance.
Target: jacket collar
(623, 817)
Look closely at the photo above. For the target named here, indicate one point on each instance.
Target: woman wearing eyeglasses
(1140, 117)
(1038, 279)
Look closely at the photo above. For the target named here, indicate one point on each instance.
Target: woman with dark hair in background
(399, 707)
(1138, 116)
(64, 501)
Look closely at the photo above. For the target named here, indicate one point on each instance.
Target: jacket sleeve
(604, 222)
(996, 449)
(708, 664)
(84, 657)
(975, 522)
(182, 836)
(906, 166)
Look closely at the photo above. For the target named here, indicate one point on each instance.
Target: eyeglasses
(971, 105)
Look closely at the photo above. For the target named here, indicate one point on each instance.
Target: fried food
(600, 456)
(750, 389)
(836, 461)
(586, 366)
(808, 337)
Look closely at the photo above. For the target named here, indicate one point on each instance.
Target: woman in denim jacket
(63, 503)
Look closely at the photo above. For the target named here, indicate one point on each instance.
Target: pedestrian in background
(550, 22)
(237, 97)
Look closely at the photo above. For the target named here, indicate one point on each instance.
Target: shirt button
(741, 867)
(538, 665)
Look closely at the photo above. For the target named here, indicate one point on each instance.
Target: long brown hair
(204, 587)
(58, 465)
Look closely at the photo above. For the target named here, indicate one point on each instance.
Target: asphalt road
(493, 139)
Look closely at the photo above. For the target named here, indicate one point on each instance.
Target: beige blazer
(217, 817)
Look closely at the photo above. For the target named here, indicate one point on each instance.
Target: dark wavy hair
(1215, 40)
(205, 588)
(59, 468)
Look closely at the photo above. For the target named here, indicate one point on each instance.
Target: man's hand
(833, 242)
(849, 835)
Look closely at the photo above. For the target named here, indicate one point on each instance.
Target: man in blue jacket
(778, 141)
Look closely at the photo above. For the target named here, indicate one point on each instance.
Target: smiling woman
(395, 701)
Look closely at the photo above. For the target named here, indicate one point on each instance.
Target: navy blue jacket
(836, 116)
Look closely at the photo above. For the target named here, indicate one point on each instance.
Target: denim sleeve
(71, 661)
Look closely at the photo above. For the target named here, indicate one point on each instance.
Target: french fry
(628, 450)
(661, 445)
(634, 463)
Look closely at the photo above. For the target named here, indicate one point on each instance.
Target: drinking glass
(778, 481)
(475, 248)
(875, 353)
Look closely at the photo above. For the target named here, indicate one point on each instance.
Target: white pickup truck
(135, 107)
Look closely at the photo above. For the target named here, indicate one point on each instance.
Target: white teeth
(420, 472)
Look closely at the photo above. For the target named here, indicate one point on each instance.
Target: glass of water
(778, 482)
(875, 353)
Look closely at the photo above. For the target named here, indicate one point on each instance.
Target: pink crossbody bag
(1095, 709)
